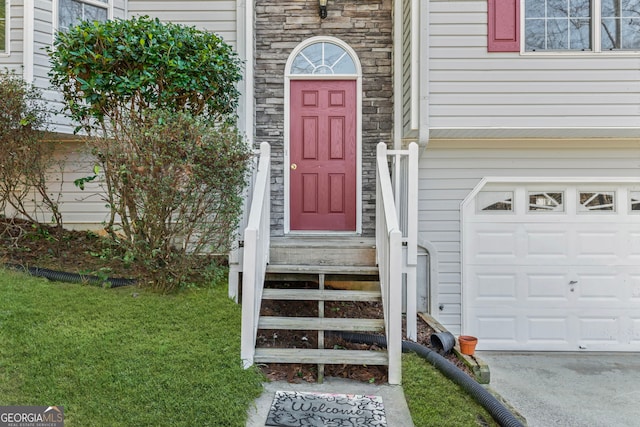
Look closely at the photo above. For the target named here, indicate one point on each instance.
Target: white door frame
(287, 122)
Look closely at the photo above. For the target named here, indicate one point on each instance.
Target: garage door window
(543, 201)
(635, 201)
(596, 201)
(495, 201)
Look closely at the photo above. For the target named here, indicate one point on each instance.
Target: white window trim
(7, 29)
(287, 97)
(56, 8)
(596, 34)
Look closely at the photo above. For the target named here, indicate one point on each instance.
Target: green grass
(115, 359)
(434, 400)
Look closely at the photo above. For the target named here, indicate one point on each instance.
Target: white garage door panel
(560, 281)
(558, 330)
(557, 243)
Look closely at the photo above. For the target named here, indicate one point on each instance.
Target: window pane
(534, 9)
(69, 11)
(609, 8)
(631, 33)
(495, 201)
(580, 33)
(93, 13)
(580, 8)
(545, 202)
(596, 201)
(557, 34)
(620, 24)
(301, 65)
(313, 53)
(557, 8)
(535, 35)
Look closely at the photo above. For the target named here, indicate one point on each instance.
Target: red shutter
(504, 26)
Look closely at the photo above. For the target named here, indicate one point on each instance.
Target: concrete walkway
(395, 405)
(569, 389)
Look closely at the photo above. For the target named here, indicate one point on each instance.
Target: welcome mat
(297, 409)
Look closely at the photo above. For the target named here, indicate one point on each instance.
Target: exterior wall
(13, 60)
(218, 16)
(367, 28)
(473, 93)
(450, 170)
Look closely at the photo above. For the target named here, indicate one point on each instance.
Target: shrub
(178, 182)
(159, 100)
(109, 70)
(25, 160)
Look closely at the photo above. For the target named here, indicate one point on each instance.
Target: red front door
(323, 155)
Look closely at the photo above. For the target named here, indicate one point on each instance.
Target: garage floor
(569, 389)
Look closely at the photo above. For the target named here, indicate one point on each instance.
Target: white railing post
(256, 256)
(389, 257)
(394, 334)
(412, 242)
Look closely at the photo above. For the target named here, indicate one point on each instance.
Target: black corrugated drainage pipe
(63, 276)
(500, 414)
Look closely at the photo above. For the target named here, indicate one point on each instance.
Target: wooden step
(322, 269)
(320, 295)
(322, 250)
(297, 355)
(320, 323)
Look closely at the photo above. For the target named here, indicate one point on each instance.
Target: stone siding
(367, 27)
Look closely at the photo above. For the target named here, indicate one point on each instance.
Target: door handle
(294, 166)
(572, 285)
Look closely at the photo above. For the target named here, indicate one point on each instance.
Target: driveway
(569, 389)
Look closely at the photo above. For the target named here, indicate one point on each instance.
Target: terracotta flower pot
(467, 344)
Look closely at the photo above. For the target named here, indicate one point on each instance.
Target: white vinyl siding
(81, 209)
(217, 16)
(523, 95)
(449, 174)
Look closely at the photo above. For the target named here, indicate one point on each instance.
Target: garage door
(552, 266)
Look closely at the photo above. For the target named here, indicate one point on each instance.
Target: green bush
(114, 68)
(159, 100)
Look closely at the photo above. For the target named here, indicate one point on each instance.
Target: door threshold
(322, 233)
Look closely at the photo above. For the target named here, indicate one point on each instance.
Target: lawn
(123, 357)
(127, 357)
(436, 401)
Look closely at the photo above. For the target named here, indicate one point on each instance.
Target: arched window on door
(323, 58)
